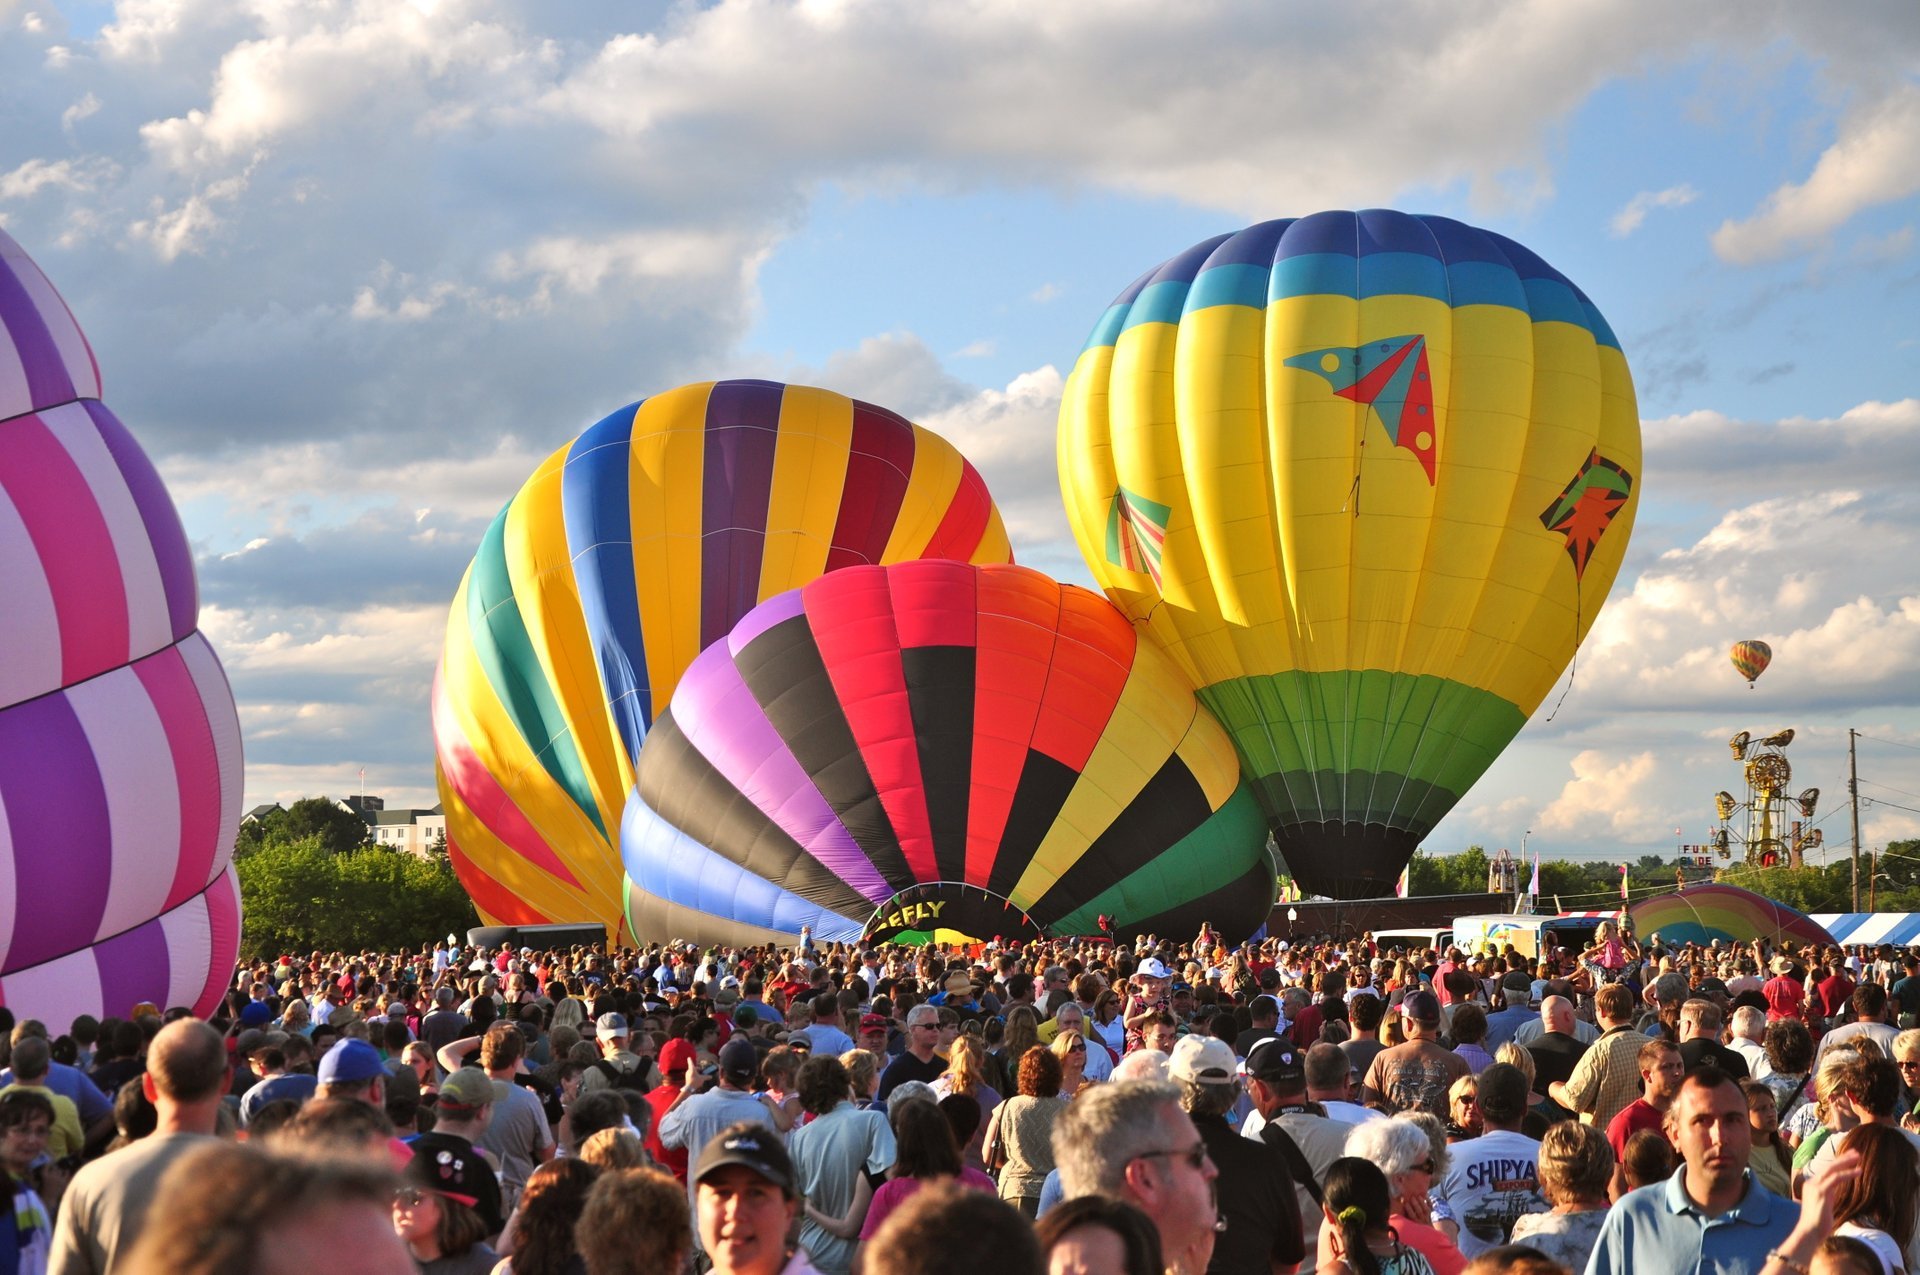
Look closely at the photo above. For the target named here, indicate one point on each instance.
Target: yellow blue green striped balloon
(629, 551)
(1368, 477)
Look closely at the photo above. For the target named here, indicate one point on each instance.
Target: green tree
(301, 894)
(1809, 889)
(337, 830)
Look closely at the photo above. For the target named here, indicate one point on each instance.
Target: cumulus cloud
(1874, 159)
(1603, 797)
(1631, 217)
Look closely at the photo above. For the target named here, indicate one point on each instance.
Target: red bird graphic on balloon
(1390, 376)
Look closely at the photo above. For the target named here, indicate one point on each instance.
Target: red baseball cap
(677, 1054)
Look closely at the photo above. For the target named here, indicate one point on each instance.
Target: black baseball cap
(750, 1144)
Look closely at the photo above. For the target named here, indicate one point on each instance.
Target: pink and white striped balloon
(120, 756)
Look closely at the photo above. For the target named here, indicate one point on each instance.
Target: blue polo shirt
(1659, 1229)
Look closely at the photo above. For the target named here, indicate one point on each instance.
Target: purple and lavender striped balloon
(120, 756)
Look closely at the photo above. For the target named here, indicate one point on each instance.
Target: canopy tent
(1849, 928)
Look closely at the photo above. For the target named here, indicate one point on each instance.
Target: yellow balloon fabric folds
(1369, 478)
(626, 553)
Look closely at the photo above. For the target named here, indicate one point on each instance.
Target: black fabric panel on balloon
(1044, 786)
(1170, 806)
(783, 669)
(1236, 910)
(1346, 860)
(940, 696)
(683, 788)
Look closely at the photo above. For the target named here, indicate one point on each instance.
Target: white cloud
(981, 349)
(1604, 797)
(1874, 160)
(1630, 218)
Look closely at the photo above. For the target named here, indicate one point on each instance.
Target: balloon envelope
(1368, 477)
(1703, 913)
(626, 553)
(931, 747)
(1750, 658)
(120, 760)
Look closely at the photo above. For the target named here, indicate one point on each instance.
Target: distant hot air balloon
(120, 762)
(628, 551)
(1750, 659)
(934, 747)
(1368, 477)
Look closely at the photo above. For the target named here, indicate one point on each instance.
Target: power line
(1893, 805)
(1895, 742)
(1890, 788)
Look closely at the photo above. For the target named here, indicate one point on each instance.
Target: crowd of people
(1077, 1108)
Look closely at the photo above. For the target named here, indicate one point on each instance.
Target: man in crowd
(273, 1082)
(676, 1059)
(31, 1059)
(1494, 1178)
(1255, 1189)
(518, 1136)
(1557, 1050)
(1700, 1023)
(1131, 1140)
(445, 1024)
(1749, 1039)
(1869, 1004)
(96, 1110)
(744, 1203)
(1284, 1118)
(619, 1067)
(918, 1061)
(1265, 1016)
(698, 1114)
(1607, 1077)
(1661, 1070)
(1330, 1083)
(825, 1034)
(461, 1117)
(1710, 1216)
(1415, 1076)
(1502, 1024)
(104, 1207)
(352, 1069)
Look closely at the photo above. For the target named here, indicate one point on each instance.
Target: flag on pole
(1533, 886)
(1400, 886)
(1623, 880)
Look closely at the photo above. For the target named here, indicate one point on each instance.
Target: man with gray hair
(1502, 1024)
(1255, 1190)
(1749, 1039)
(917, 1061)
(1700, 1039)
(1131, 1140)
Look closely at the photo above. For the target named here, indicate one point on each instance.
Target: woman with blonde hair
(966, 1075)
(863, 1070)
(1575, 1167)
(1070, 1047)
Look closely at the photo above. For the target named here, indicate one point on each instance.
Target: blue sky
(352, 270)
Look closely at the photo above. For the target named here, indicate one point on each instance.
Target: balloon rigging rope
(1573, 666)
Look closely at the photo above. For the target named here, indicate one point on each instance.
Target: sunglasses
(1425, 1166)
(1195, 1155)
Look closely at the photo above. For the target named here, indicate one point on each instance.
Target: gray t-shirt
(515, 1135)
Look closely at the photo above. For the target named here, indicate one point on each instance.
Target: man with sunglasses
(1131, 1140)
(920, 1059)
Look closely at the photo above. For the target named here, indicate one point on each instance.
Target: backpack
(635, 1080)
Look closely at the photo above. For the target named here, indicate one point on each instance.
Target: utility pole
(1853, 795)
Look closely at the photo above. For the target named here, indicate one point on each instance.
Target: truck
(1529, 935)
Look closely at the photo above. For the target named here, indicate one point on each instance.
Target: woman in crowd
(1094, 1233)
(1362, 1234)
(26, 1121)
(550, 1207)
(1877, 1205)
(1071, 1020)
(1463, 1107)
(434, 1214)
(925, 1151)
(966, 1075)
(1023, 1033)
(1070, 1047)
(1108, 1027)
(1789, 1049)
(1400, 1149)
(1575, 1168)
(1019, 1139)
(635, 1223)
(1469, 1031)
(1771, 1160)
(863, 1073)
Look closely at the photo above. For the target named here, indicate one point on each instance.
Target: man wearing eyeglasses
(1131, 1140)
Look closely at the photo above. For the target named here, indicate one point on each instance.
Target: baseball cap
(350, 1062)
(1274, 1060)
(752, 1145)
(609, 1026)
(738, 1058)
(1204, 1060)
(468, 1087)
(1422, 1007)
(677, 1054)
(875, 1022)
(256, 1014)
(447, 1172)
(1153, 967)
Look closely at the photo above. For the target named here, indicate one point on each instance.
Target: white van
(1415, 938)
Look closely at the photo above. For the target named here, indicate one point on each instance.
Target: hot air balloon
(934, 746)
(1750, 659)
(119, 744)
(1368, 477)
(627, 552)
